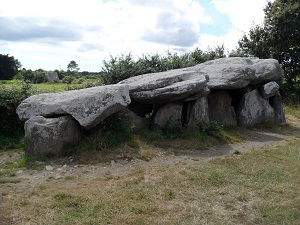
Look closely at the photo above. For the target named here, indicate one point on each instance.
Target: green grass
(52, 87)
(146, 144)
(8, 143)
(9, 168)
(9, 181)
(47, 87)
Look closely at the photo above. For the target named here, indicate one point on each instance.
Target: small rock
(58, 177)
(49, 168)
(18, 172)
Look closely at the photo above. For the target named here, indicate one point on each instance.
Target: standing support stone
(134, 121)
(49, 136)
(254, 109)
(276, 103)
(198, 113)
(169, 116)
(220, 109)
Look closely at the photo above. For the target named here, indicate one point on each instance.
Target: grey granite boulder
(269, 89)
(220, 109)
(254, 109)
(168, 86)
(49, 136)
(134, 121)
(168, 116)
(198, 114)
(276, 103)
(88, 106)
(237, 72)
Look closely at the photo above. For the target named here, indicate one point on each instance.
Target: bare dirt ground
(71, 167)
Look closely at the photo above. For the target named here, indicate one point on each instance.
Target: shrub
(10, 98)
(68, 79)
(211, 128)
(118, 68)
(122, 67)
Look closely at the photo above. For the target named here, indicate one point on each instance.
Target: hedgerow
(118, 68)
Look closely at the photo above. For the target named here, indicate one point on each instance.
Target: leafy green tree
(18, 64)
(73, 68)
(40, 76)
(27, 75)
(279, 38)
(61, 73)
(8, 67)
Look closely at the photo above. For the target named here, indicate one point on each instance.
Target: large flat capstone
(237, 72)
(219, 74)
(168, 86)
(88, 106)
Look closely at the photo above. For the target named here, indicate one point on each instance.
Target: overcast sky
(48, 34)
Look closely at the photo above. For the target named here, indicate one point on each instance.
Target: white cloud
(242, 13)
(46, 34)
(229, 40)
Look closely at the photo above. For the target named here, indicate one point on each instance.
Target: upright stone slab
(220, 109)
(254, 109)
(168, 116)
(276, 103)
(49, 136)
(88, 106)
(199, 113)
(134, 121)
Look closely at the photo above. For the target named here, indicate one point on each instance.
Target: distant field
(49, 87)
(55, 87)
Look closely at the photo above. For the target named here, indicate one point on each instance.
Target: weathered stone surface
(133, 120)
(220, 109)
(276, 103)
(237, 72)
(49, 136)
(269, 89)
(168, 116)
(199, 113)
(254, 109)
(203, 92)
(88, 106)
(190, 83)
(165, 86)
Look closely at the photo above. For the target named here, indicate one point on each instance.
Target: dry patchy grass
(258, 187)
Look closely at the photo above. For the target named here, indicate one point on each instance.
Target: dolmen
(232, 91)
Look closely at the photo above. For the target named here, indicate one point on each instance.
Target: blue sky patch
(221, 23)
